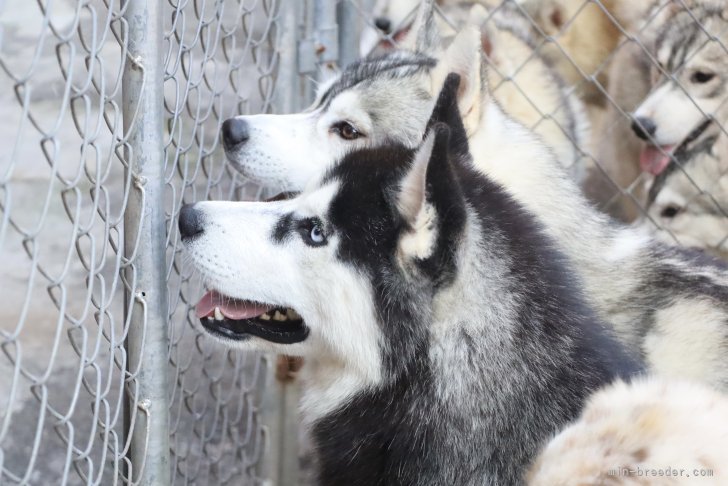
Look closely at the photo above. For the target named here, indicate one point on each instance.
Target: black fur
(404, 432)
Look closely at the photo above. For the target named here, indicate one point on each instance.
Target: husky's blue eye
(346, 130)
(313, 232)
(317, 235)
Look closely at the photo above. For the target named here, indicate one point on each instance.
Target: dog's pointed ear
(465, 58)
(412, 196)
(432, 205)
(447, 111)
(480, 18)
(423, 36)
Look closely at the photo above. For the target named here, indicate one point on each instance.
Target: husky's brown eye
(670, 212)
(346, 131)
(701, 77)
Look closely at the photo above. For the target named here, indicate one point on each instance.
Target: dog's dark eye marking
(701, 77)
(312, 232)
(346, 130)
(283, 228)
(670, 212)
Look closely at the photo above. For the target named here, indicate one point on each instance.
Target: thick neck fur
(602, 251)
(504, 356)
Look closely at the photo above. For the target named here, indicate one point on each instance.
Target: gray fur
(687, 202)
(478, 343)
(657, 299)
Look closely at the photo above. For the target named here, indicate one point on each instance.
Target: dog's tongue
(230, 308)
(653, 160)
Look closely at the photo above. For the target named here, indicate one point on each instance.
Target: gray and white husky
(687, 203)
(520, 79)
(667, 305)
(444, 336)
(684, 121)
(689, 88)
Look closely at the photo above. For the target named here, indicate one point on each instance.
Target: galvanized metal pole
(144, 238)
(287, 92)
(349, 20)
(279, 403)
(326, 35)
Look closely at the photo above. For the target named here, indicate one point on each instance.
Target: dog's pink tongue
(653, 160)
(230, 308)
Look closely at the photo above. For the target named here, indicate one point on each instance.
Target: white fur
(695, 350)
(648, 425)
(679, 104)
(699, 192)
(611, 261)
(290, 150)
(238, 259)
(675, 113)
(411, 195)
(419, 241)
(628, 246)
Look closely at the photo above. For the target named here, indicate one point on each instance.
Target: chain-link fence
(111, 114)
(662, 61)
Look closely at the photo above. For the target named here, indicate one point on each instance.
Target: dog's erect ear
(480, 18)
(465, 58)
(423, 36)
(432, 205)
(412, 191)
(447, 111)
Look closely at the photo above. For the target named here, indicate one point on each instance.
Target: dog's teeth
(218, 314)
(293, 315)
(279, 317)
(210, 318)
(265, 317)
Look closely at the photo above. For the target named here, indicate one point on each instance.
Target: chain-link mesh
(70, 182)
(604, 54)
(220, 62)
(67, 176)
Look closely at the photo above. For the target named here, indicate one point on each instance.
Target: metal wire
(616, 186)
(74, 296)
(82, 215)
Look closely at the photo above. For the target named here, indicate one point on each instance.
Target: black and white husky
(665, 304)
(444, 336)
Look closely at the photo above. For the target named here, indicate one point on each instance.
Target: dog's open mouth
(655, 159)
(239, 319)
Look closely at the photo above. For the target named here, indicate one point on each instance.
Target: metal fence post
(144, 242)
(318, 52)
(288, 87)
(349, 20)
(326, 35)
(279, 404)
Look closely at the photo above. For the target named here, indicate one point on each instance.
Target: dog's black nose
(383, 24)
(234, 132)
(190, 221)
(644, 127)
